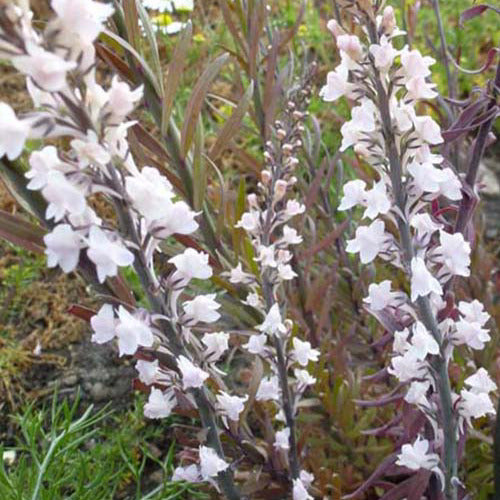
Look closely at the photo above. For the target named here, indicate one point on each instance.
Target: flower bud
(252, 200)
(388, 20)
(281, 134)
(351, 45)
(287, 149)
(335, 28)
(280, 189)
(265, 176)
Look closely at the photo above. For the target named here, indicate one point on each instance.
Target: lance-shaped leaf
(11, 173)
(174, 74)
(232, 125)
(196, 101)
(475, 11)
(21, 232)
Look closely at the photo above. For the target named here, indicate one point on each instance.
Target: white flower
(401, 344)
(422, 342)
(376, 200)
(380, 295)
(63, 247)
(354, 194)
(148, 371)
(470, 333)
(269, 390)
(417, 393)
(121, 99)
(266, 256)
(63, 197)
(47, 69)
(13, 132)
(407, 367)
(254, 300)
(132, 333)
(249, 222)
(424, 225)
(303, 352)
(383, 54)
(239, 276)
(216, 343)
(450, 186)
(337, 84)
(273, 323)
(351, 45)
(203, 308)
(427, 130)
(369, 241)
(282, 439)
(256, 344)
(150, 192)
(190, 474)
(480, 382)
(106, 254)
(473, 312)
(210, 463)
(89, 151)
(231, 406)
(414, 64)
(422, 281)
(293, 208)
(427, 177)
(299, 491)
(290, 236)
(304, 377)
(475, 405)
(285, 272)
(454, 253)
(179, 219)
(159, 405)
(83, 18)
(363, 120)
(41, 163)
(416, 456)
(104, 325)
(192, 376)
(191, 264)
(418, 88)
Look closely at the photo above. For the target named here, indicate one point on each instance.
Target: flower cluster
(267, 225)
(175, 347)
(387, 85)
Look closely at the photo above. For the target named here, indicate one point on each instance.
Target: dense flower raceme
(267, 225)
(173, 357)
(386, 84)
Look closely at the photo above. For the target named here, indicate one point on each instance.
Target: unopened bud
(335, 28)
(388, 20)
(281, 133)
(351, 45)
(280, 189)
(265, 176)
(287, 149)
(252, 200)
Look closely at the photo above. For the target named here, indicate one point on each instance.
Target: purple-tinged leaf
(475, 11)
(21, 232)
(377, 474)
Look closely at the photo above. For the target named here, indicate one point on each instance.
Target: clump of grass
(62, 453)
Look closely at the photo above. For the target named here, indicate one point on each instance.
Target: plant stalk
(423, 303)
